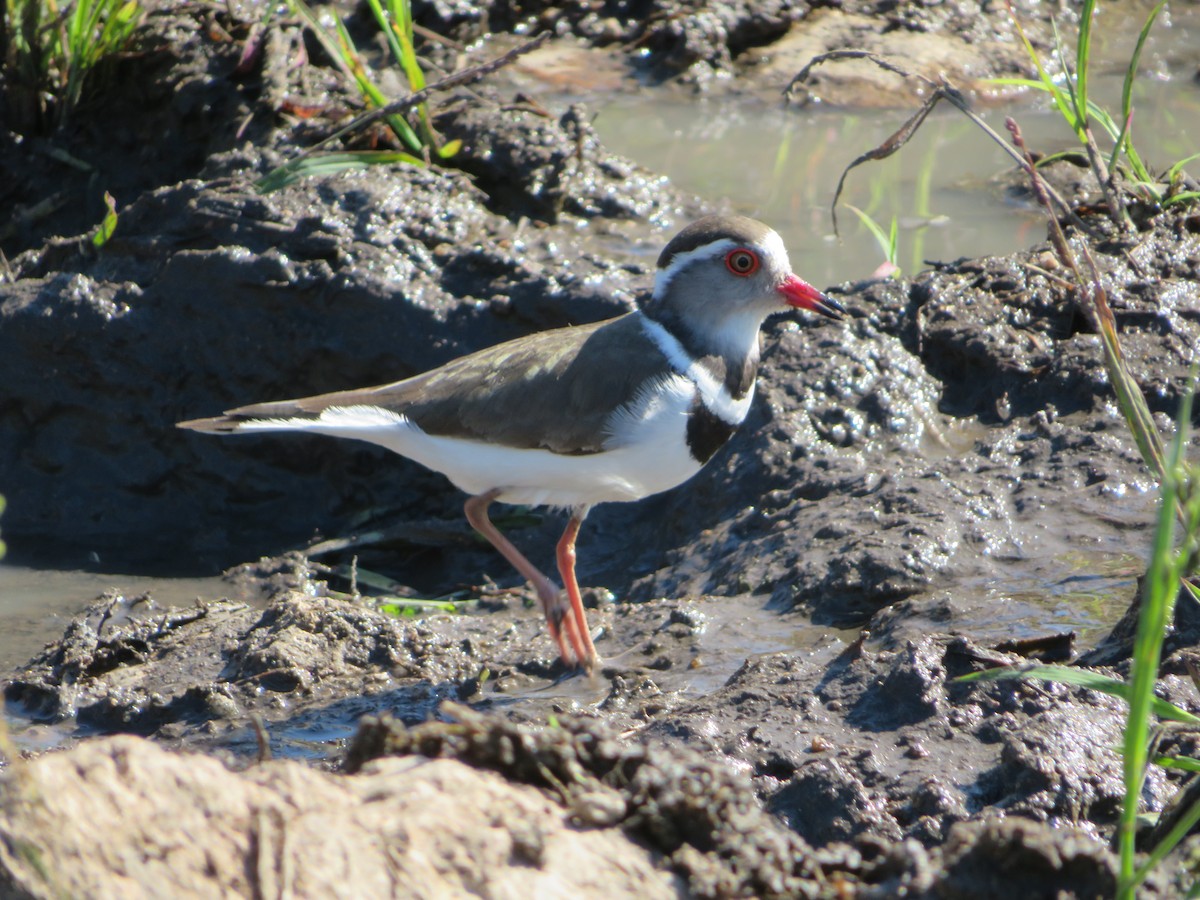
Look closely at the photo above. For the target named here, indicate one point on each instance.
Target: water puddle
(944, 188)
(782, 165)
(1039, 600)
(36, 604)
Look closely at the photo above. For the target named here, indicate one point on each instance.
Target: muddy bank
(761, 45)
(955, 432)
(393, 830)
(206, 82)
(845, 767)
(958, 421)
(189, 303)
(887, 734)
(476, 806)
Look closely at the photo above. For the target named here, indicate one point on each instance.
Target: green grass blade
(1047, 82)
(408, 61)
(1135, 161)
(887, 242)
(333, 48)
(1159, 852)
(1193, 590)
(872, 226)
(1102, 115)
(1073, 113)
(1173, 172)
(1124, 143)
(108, 224)
(385, 25)
(1075, 157)
(1083, 51)
(396, 23)
(408, 606)
(1159, 590)
(371, 91)
(782, 154)
(1182, 763)
(340, 48)
(1094, 110)
(1182, 197)
(923, 188)
(118, 27)
(416, 81)
(1129, 396)
(330, 164)
(401, 13)
(1018, 82)
(352, 63)
(91, 31)
(1082, 678)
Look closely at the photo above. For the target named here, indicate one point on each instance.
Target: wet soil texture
(956, 428)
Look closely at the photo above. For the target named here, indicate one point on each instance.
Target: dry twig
(939, 90)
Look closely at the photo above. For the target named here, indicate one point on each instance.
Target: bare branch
(941, 90)
(466, 76)
(457, 79)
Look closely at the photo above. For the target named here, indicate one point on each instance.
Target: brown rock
(124, 818)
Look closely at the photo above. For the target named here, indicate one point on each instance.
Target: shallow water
(36, 604)
(782, 165)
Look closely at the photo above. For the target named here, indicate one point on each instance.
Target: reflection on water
(782, 165)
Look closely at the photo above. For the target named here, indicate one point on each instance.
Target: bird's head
(723, 275)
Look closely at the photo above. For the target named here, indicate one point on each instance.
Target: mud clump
(886, 744)
(697, 813)
(452, 807)
(395, 829)
(865, 768)
(482, 800)
(125, 666)
(705, 44)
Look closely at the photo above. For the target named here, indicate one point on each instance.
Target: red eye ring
(741, 262)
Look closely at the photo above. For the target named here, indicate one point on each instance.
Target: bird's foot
(568, 631)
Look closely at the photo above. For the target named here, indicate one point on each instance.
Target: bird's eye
(741, 262)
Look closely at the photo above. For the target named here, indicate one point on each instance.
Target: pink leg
(581, 636)
(548, 595)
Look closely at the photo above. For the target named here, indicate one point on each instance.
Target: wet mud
(956, 429)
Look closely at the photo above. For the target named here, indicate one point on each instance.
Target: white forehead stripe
(680, 260)
(713, 394)
(771, 244)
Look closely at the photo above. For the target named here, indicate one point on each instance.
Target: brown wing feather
(554, 390)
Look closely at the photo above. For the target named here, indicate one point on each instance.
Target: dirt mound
(395, 829)
(474, 806)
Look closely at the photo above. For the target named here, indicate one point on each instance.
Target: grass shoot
(108, 224)
(888, 242)
(1173, 560)
(417, 144)
(49, 54)
(1071, 99)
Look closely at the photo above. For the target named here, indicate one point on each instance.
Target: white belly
(646, 453)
